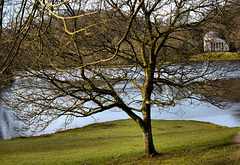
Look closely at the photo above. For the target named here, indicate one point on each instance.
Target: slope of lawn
(219, 56)
(120, 142)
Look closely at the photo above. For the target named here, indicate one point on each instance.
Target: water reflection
(229, 117)
(236, 114)
(208, 113)
(7, 125)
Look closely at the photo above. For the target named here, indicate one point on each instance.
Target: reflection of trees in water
(6, 122)
(2, 124)
(5, 118)
(1, 134)
(6, 125)
(236, 113)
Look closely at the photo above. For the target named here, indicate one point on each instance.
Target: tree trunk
(146, 127)
(146, 111)
(149, 148)
(1, 16)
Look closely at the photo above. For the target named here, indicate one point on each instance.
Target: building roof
(212, 34)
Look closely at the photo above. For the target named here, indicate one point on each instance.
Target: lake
(229, 117)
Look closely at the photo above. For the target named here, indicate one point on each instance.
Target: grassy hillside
(215, 56)
(120, 142)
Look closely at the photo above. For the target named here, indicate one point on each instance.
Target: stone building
(214, 43)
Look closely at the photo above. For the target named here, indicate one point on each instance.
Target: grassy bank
(216, 56)
(120, 142)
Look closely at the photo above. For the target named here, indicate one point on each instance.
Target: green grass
(218, 56)
(120, 142)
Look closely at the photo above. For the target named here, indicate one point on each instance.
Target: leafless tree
(82, 58)
(1, 15)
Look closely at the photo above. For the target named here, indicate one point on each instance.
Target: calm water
(229, 117)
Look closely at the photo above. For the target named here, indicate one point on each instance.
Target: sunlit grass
(219, 56)
(120, 142)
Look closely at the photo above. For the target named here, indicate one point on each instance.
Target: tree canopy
(78, 58)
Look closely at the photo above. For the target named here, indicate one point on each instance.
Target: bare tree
(1, 15)
(230, 24)
(83, 58)
(19, 23)
(12, 35)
